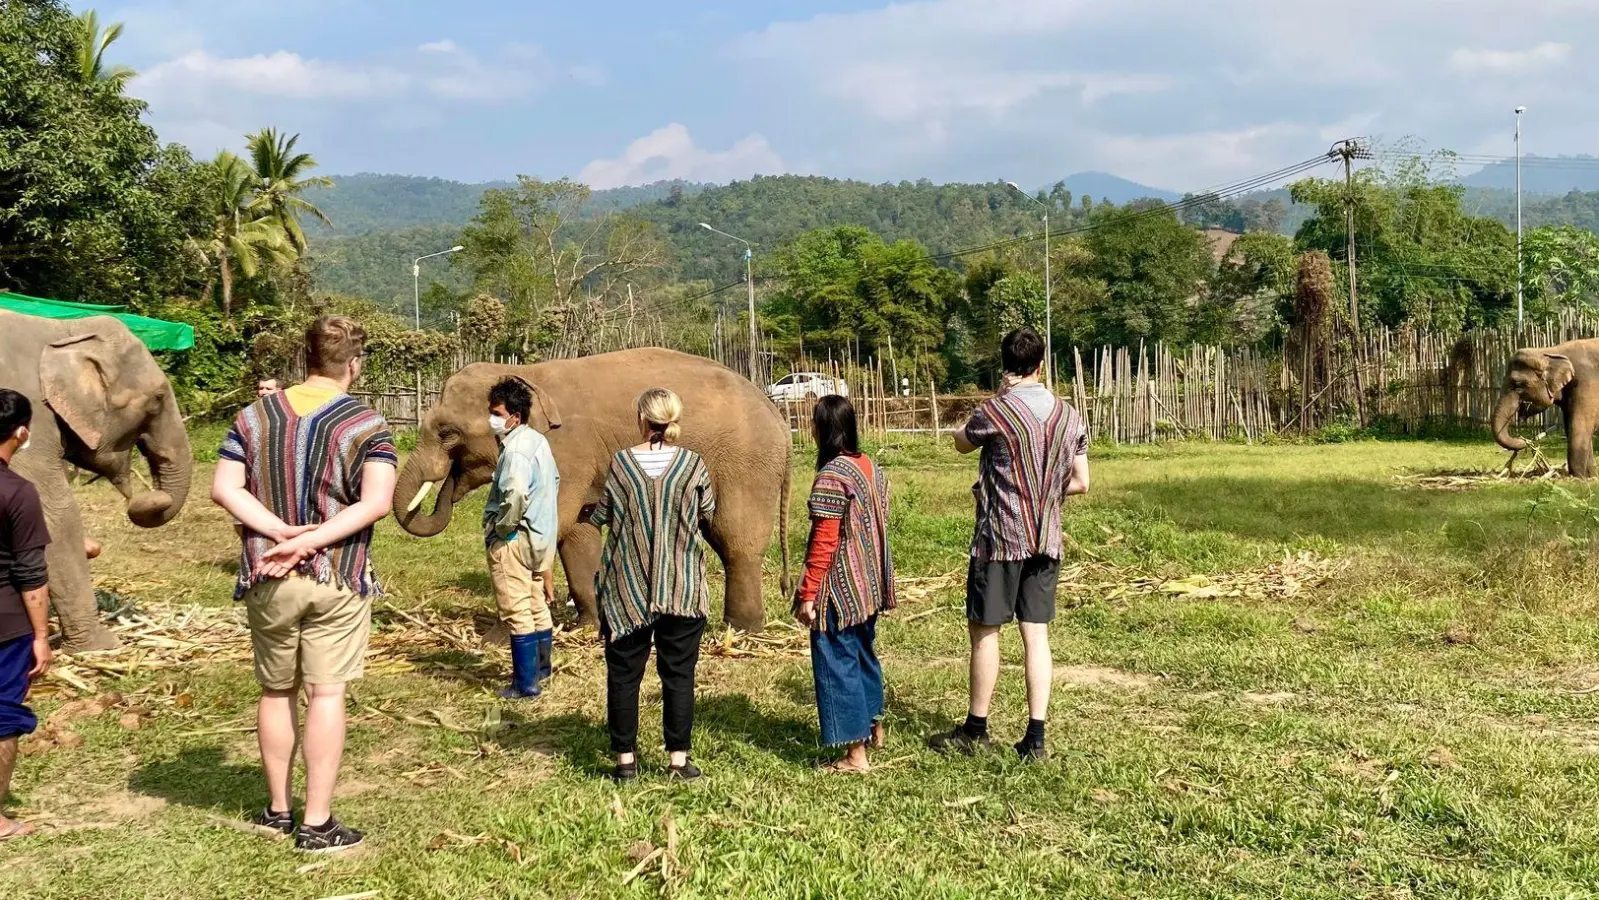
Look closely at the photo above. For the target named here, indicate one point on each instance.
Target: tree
(1562, 267)
(92, 207)
(91, 51)
(1250, 285)
(241, 238)
(280, 182)
(560, 272)
(1149, 268)
(848, 291)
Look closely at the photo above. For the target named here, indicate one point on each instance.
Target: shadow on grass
(200, 777)
(1348, 510)
(733, 718)
(583, 741)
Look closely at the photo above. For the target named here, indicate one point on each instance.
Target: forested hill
(358, 204)
(383, 222)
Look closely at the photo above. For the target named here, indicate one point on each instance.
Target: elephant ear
(547, 406)
(1559, 374)
(76, 376)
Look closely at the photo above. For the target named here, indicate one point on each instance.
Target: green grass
(1408, 729)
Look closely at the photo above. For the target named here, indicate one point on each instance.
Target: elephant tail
(782, 513)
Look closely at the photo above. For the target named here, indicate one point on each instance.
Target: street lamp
(1520, 310)
(416, 277)
(1049, 296)
(416, 284)
(749, 278)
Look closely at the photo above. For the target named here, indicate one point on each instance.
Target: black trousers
(677, 652)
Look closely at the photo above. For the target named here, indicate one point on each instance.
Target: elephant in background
(585, 407)
(97, 393)
(1566, 376)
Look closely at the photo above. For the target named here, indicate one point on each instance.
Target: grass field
(1411, 727)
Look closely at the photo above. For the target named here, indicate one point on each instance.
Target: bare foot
(846, 766)
(879, 736)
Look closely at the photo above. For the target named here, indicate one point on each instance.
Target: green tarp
(156, 334)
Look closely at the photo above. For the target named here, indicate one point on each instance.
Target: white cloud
(670, 153)
(445, 46)
(1544, 55)
(1169, 91)
(280, 74)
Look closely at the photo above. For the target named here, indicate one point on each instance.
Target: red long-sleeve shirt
(823, 545)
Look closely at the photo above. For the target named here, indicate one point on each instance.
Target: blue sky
(1174, 93)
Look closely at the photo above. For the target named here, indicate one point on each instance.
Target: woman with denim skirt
(849, 580)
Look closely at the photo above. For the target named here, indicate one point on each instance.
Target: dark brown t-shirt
(22, 529)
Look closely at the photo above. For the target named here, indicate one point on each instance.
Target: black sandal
(686, 772)
(625, 772)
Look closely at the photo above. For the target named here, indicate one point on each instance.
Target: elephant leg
(745, 604)
(1579, 443)
(580, 557)
(71, 586)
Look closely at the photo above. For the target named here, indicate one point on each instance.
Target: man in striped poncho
(307, 472)
(1035, 454)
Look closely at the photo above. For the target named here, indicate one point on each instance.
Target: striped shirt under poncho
(653, 563)
(1022, 477)
(306, 470)
(860, 583)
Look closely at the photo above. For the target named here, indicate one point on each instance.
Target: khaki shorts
(304, 632)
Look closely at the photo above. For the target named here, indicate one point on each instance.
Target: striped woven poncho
(653, 563)
(1022, 477)
(305, 470)
(860, 582)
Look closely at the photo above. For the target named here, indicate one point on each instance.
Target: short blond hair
(661, 409)
(331, 342)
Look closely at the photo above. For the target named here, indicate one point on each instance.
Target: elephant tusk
(421, 495)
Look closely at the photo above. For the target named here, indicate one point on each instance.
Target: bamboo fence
(1407, 380)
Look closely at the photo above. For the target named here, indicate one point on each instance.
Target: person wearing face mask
(519, 533)
(24, 596)
(308, 471)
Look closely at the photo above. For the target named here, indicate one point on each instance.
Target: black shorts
(998, 592)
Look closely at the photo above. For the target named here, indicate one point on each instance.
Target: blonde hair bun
(661, 409)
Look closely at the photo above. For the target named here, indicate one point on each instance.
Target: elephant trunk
(165, 446)
(1505, 412)
(426, 470)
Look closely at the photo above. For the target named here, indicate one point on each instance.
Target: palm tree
(92, 44)
(241, 236)
(280, 181)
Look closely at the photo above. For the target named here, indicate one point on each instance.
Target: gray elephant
(97, 394)
(1566, 376)
(585, 407)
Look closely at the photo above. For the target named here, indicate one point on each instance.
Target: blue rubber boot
(546, 649)
(524, 667)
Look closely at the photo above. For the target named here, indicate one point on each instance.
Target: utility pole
(1351, 150)
(1520, 307)
(749, 278)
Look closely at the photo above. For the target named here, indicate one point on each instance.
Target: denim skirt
(849, 680)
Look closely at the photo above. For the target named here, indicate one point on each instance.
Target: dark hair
(836, 434)
(331, 342)
(1022, 351)
(15, 412)
(514, 395)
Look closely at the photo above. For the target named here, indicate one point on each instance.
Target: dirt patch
(1271, 699)
(1102, 677)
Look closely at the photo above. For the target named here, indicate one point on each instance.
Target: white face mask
(27, 440)
(498, 425)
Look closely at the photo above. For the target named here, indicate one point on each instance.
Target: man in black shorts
(1034, 454)
(24, 597)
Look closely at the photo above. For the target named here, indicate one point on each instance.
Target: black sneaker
(330, 837)
(686, 772)
(280, 822)
(1033, 753)
(957, 740)
(624, 772)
